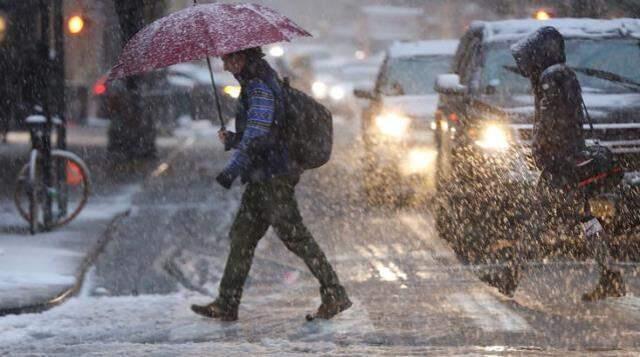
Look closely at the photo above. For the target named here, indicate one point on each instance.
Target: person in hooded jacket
(261, 160)
(557, 143)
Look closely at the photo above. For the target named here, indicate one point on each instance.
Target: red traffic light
(100, 87)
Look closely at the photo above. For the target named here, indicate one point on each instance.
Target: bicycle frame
(41, 146)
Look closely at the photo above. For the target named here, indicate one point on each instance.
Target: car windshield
(617, 56)
(412, 75)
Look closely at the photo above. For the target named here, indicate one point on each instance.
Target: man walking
(557, 143)
(261, 159)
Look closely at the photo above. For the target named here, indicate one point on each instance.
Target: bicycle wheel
(72, 185)
(69, 191)
(27, 193)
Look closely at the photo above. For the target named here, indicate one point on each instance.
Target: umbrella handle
(215, 92)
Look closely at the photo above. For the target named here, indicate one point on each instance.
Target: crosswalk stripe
(488, 313)
(425, 232)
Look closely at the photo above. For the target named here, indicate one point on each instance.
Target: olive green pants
(266, 204)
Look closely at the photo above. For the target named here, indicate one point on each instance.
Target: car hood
(603, 108)
(412, 105)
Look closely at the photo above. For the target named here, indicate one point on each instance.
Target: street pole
(44, 72)
(59, 98)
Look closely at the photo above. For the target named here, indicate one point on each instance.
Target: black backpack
(307, 128)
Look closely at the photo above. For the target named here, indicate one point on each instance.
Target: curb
(61, 297)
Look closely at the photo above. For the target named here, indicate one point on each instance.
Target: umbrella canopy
(201, 31)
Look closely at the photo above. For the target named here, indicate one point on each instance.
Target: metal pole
(215, 92)
(213, 85)
(59, 73)
(44, 72)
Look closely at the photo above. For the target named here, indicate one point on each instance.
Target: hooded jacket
(557, 128)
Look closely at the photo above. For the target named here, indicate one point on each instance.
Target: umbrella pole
(215, 92)
(213, 85)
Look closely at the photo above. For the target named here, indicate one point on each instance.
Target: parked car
(398, 125)
(182, 89)
(202, 97)
(485, 173)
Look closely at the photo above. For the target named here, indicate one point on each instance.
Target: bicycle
(54, 186)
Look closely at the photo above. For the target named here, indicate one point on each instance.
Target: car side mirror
(364, 94)
(449, 84)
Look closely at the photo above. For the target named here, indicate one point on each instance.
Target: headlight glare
(276, 51)
(392, 124)
(319, 90)
(232, 91)
(419, 160)
(493, 137)
(337, 93)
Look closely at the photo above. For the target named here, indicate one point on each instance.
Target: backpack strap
(586, 114)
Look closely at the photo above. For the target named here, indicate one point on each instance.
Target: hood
(539, 51)
(412, 105)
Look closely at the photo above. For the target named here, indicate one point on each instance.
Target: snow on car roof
(570, 27)
(423, 48)
(392, 10)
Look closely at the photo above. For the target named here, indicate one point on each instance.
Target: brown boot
(334, 301)
(611, 284)
(214, 311)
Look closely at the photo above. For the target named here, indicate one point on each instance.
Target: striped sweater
(260, 114)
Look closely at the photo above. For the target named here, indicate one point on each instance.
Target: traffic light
(4, 23)
(543, 14)
(75, 24)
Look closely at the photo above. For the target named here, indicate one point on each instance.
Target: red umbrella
(201, 31)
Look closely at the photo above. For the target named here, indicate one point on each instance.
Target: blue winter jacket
(260, 153)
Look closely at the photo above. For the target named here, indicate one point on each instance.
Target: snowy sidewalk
(39, 271)
(42, 270)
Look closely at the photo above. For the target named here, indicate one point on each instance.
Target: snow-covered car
(398, 124)
(336, 78)
(485, 172)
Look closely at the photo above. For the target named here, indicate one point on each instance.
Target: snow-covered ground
(142, 324)
(37, 269)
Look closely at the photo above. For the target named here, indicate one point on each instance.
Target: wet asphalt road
(409, 287)
(411, 294)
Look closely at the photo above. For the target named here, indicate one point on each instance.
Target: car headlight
(232, 91)
(419, 160)
(276, 51)
(392, 124)
(319, 90)
(493, 137)
(337, 93)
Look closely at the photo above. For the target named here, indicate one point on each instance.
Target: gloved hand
(227, 138)
(225, 179)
